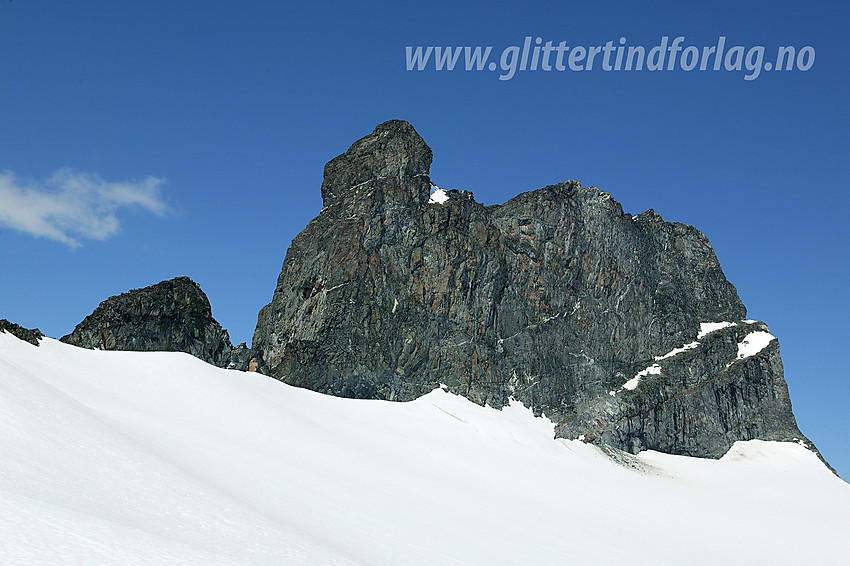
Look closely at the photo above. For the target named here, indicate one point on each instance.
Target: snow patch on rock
(706, 328)
(753, 343)
(439, 196)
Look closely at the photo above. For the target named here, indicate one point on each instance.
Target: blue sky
(142, 141)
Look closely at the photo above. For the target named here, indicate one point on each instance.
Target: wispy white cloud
(72, 206)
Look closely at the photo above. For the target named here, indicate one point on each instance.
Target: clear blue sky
(144, 140)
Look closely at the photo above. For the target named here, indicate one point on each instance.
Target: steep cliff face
(173, 316)
(555, 298)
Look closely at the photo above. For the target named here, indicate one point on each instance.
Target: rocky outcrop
(556, 298)
(172, 316)
(31, 335)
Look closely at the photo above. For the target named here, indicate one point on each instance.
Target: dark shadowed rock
(31, 335)
(172, 316)
(239, 357)
(555, 298)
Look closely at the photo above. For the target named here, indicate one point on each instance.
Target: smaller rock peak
(172, 315)
(394, 153)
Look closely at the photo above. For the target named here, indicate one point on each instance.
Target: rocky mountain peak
(392, 164)
(623, 330)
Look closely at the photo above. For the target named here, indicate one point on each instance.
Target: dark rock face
(701, 401)
(239, 358)
(555, 298)
(31, 335)
(172, 316)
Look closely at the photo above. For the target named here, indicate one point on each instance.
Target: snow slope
(158, 458)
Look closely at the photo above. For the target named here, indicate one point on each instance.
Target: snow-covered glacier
(159, 458)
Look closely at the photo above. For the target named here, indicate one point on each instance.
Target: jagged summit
(173, 315)
(556, 298)
(391, 163)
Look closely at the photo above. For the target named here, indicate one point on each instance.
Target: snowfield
(148, 458)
